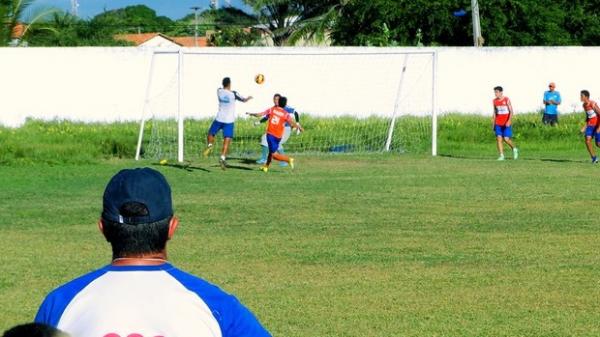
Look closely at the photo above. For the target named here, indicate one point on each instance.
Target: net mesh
(346, 101)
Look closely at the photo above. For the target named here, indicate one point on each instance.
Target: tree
(503, 22)
(378, 22)
(234, 36)
(288, 21)
(66, 30)
(228, 18)
(131, 19)
(17, 12)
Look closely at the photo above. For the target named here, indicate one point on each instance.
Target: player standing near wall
(591, 127)
(502, 122)
(551, 102)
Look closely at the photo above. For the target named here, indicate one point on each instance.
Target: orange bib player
(591, 128)
(277, 118)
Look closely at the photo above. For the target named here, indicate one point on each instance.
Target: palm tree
(287, 22)
(13, 16)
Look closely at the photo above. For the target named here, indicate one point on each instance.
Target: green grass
(64, 142)
(371, 245)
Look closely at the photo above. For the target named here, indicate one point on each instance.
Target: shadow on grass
(551, 160)
(245, 161)
(237, 167)
(184, 166)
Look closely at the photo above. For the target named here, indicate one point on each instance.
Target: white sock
(222, 157)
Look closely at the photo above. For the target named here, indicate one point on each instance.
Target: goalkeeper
(287, 132)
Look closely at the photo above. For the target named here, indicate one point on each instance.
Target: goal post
(349, 99)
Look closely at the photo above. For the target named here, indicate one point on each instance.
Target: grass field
(347, 245)
(64, 142)
(376, 245)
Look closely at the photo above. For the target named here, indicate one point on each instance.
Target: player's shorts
(503, 131)
(216, 126)
(273, 143)
(287, 132)
(590, 131)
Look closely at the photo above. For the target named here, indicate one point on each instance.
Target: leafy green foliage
(131, 19)
(286, 22)
(503, 22)
(234, 36)
(21, 12)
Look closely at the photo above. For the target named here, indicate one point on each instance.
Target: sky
(174, 9)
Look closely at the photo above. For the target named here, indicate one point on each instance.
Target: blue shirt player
(140, 293)
(225, 119)
(551, 102)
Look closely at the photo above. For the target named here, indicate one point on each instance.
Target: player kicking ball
(287, 132)
(277, 118)
(502, 122)
(592, 127)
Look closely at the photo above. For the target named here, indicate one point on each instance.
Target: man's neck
(152, 259)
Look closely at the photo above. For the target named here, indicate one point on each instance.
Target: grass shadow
(551, 160)
(185, 166)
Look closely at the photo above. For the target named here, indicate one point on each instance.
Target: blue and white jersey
(146, 301)
(227, 98)
(552, 109)
(291, 111)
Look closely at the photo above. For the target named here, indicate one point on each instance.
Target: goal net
(348, 99)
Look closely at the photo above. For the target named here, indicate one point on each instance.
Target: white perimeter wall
(109, 84)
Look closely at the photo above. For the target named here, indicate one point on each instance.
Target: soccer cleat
(265, 169)
(292, 163)
(515, 153)
(501, 157)
(207, 151)
(594, 160)
(223, 163)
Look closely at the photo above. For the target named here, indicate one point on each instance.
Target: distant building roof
(18, 31)
(159, 39)
(189, 41)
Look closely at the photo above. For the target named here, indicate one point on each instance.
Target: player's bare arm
(510, 114)
(295, 125)
(597, 111)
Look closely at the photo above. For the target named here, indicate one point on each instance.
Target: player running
(592, 127)
(286, 133)
(502, 122)
(225, 120)
(277, 118)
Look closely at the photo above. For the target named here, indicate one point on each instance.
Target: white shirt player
(146, 301)
(227, 100)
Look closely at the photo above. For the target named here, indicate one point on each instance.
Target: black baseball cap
(142, 185)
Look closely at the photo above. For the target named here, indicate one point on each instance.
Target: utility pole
(195, 8)
(477, 38)
(74, 7)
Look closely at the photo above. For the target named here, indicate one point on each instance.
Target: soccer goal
(349, 99)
